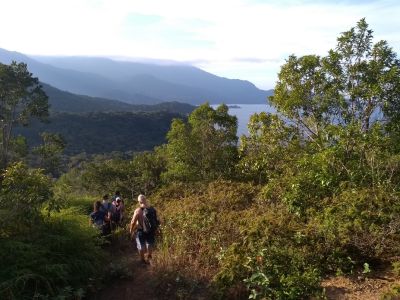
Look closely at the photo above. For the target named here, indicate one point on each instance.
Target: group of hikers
(108, 214)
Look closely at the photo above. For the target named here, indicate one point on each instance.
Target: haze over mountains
(135, 82)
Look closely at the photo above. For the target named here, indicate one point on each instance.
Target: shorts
(144, 239)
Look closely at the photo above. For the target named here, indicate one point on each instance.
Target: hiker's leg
(141, 252)
(141, 244)
(149, 251)
(150, 239)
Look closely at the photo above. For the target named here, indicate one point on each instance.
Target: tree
(23, 193)
(261, 152)
(21, 97)
(203, 148)
(357, 83)
(331, 131)
(50, 152)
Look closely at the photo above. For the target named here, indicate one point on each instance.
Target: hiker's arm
(107, 217)
(133, 222)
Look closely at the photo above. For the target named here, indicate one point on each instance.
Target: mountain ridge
(135, 82)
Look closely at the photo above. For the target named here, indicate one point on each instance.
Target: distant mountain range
(136, 83)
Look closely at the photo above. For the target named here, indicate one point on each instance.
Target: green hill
(62, 101)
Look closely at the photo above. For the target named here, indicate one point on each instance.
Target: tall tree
(21, 97)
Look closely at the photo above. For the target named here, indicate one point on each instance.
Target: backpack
(150, 221)
(107, 208)
(99, 223)
(97, 219)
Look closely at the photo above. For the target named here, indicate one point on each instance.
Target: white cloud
(224, 35)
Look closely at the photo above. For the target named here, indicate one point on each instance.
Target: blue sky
(245, 39)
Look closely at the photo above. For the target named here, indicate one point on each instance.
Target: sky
(243, 39)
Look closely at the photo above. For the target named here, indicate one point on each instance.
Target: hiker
(109, 209)
(144, 225)
(98, 218)
(116, 196)
(107, 206)
(119, 211)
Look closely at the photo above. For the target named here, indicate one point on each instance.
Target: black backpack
(150, 221)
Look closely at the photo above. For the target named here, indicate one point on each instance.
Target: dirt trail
(142, 286)
(139, 286)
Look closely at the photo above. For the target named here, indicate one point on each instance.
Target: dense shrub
(364, 223)
(57, 257)
(43, 253)
(217, 235)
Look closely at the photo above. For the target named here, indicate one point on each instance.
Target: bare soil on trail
(138, 286)
(361, 287)
(143, 285)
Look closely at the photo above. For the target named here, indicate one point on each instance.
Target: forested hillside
(62, 101)
(313, 192)
(103, 132)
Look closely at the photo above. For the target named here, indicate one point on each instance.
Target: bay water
(244, 111)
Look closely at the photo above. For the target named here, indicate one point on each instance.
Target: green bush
(216, 235)
(364, 223)
(275, 257)
(61, 252)
(279, 273)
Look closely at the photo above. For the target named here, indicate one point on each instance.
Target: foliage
(141, 174)
(49, 153)
(218, 231)
(60, 253)
(21, 97)
(279, 273)
(43, 253)
(204, 148)
(396, 268)
(101, 132)
(23, 194)
(393, 294)
(262, 150)
(363, 223)
(356, 83)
